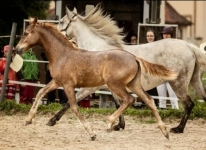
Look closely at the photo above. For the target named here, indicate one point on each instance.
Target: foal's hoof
(167, 135)
(176, 130)
(28, 123)
(164, 131)
(93, 137)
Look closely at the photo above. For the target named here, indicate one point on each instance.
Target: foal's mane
(103, 26)
(53, 29)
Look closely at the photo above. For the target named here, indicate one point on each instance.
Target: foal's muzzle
(19, 50)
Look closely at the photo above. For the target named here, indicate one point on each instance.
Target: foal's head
(29, 38)
(37, 32)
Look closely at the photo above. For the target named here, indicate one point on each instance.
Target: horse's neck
(87, 39)
(52, 47)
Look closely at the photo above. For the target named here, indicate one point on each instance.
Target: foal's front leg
(81, 94)
(52, 85)
(74, 107)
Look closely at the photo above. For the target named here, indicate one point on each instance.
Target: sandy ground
(69, 134)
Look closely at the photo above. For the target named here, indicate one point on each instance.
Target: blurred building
(194, 12)
(173, 17)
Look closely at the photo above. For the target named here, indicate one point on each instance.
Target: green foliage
(199, 111)
(30, 70)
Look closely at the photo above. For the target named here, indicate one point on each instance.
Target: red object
(85, 102)
(10, 87)
(9, 92)
(27, 93)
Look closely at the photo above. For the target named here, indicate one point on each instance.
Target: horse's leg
(58, 115)
(82, 93)
(135, 86)
(180, 90)
(149, 101)
(121, 123)
(126, 98)
(69, 91)
(196, 83)
(42, 92)
(188, 106)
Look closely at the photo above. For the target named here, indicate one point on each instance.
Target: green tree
(16, 11)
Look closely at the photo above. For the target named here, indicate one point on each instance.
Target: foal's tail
(199, 54)
(157, 70)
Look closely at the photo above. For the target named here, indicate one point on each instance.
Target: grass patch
(199, 111)
(10, 107)
(150, 121)
(51, 108)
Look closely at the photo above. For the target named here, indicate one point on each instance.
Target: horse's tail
(157, 70)
(199, 54)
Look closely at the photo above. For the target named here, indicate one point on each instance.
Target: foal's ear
(33, 20)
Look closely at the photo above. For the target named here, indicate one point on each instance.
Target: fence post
(8, 61)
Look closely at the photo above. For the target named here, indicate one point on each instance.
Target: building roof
(173, 17)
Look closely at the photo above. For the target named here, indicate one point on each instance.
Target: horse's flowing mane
(53, 29)
(104, 26)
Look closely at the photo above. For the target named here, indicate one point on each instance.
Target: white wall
(187, 8)
(201, 20)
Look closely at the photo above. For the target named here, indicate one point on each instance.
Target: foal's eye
(25, 34)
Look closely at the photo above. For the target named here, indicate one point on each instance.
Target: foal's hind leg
(150, 103)
(121, 123)
(49, 87)
(126, 98)
(135, 86)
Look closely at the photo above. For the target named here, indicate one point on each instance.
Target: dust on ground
(69, 134)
